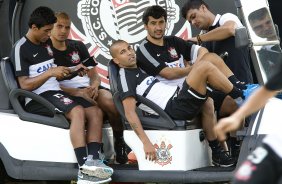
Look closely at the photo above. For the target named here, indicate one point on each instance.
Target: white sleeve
(230, 17)
(194, 53)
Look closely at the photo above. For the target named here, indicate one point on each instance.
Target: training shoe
(85, 179)
(96, 168)
(121, 151)
(222, 159)
(249, 90)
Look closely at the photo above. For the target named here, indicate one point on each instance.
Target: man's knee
(208, 107)
(228, 107)
(204, 67)
(77, 111)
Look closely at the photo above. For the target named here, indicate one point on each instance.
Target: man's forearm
(175, 73)
(32, 83)
(95, 80)
(217, 34)
(137, 126)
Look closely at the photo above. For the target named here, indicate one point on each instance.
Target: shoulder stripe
(123, 80)
(194, 53)
(147, 55)
(17, 53)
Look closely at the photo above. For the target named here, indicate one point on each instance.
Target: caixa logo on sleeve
(109, 20)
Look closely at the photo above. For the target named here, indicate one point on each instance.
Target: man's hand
(59, 72)
(83, 71)
(94, 91)
(150, 151)
(86, 93)
(226, 125)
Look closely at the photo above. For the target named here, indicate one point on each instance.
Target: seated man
(166, 58)
(71, 53)
(35, 70)
(182, 104)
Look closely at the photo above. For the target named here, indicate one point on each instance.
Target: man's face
(264, 27)
(197, 18)
(156, 27)
(61, 29)
(42, 34)
(124, 55)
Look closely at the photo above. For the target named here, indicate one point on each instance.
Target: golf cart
(35, 147)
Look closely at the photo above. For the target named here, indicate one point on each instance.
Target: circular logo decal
(109, 20)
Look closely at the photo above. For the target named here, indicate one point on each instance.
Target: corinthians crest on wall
(105, 21)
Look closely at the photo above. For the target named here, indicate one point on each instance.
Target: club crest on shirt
(50, 52)
(172, 52)
(163, 152)
(75, 57)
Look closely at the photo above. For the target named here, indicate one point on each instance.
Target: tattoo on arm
(134, 127)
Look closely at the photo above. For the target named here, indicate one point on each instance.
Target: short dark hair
(258, 14)
(41, 17)
(154, 11)
(192, 4)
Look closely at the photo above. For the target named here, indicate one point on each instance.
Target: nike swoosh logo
(137, 75)
(34, 55)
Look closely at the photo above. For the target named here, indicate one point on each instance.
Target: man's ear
(204, 8)
(34, 27)
(115, 61)
(145, 27)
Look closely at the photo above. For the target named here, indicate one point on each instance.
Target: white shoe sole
(93, 182)
(98, 172)
(220, 165)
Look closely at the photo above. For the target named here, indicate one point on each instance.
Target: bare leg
(218, 62)
(208, 119)
(94, 116)
(106, 103)
(228, 107)
(205, 72)
(77, 127)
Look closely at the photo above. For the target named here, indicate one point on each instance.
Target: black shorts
(102, 87)
(186, 104)
(262, 166)
(61, 100)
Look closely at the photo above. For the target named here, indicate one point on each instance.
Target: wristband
(199, 40)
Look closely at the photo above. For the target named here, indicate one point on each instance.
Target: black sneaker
(121, 151)
(222, 159)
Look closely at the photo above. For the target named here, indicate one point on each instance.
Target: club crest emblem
(75, 57)
(66, 100)
(109, 20)
(163, 153)
(173, 52)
